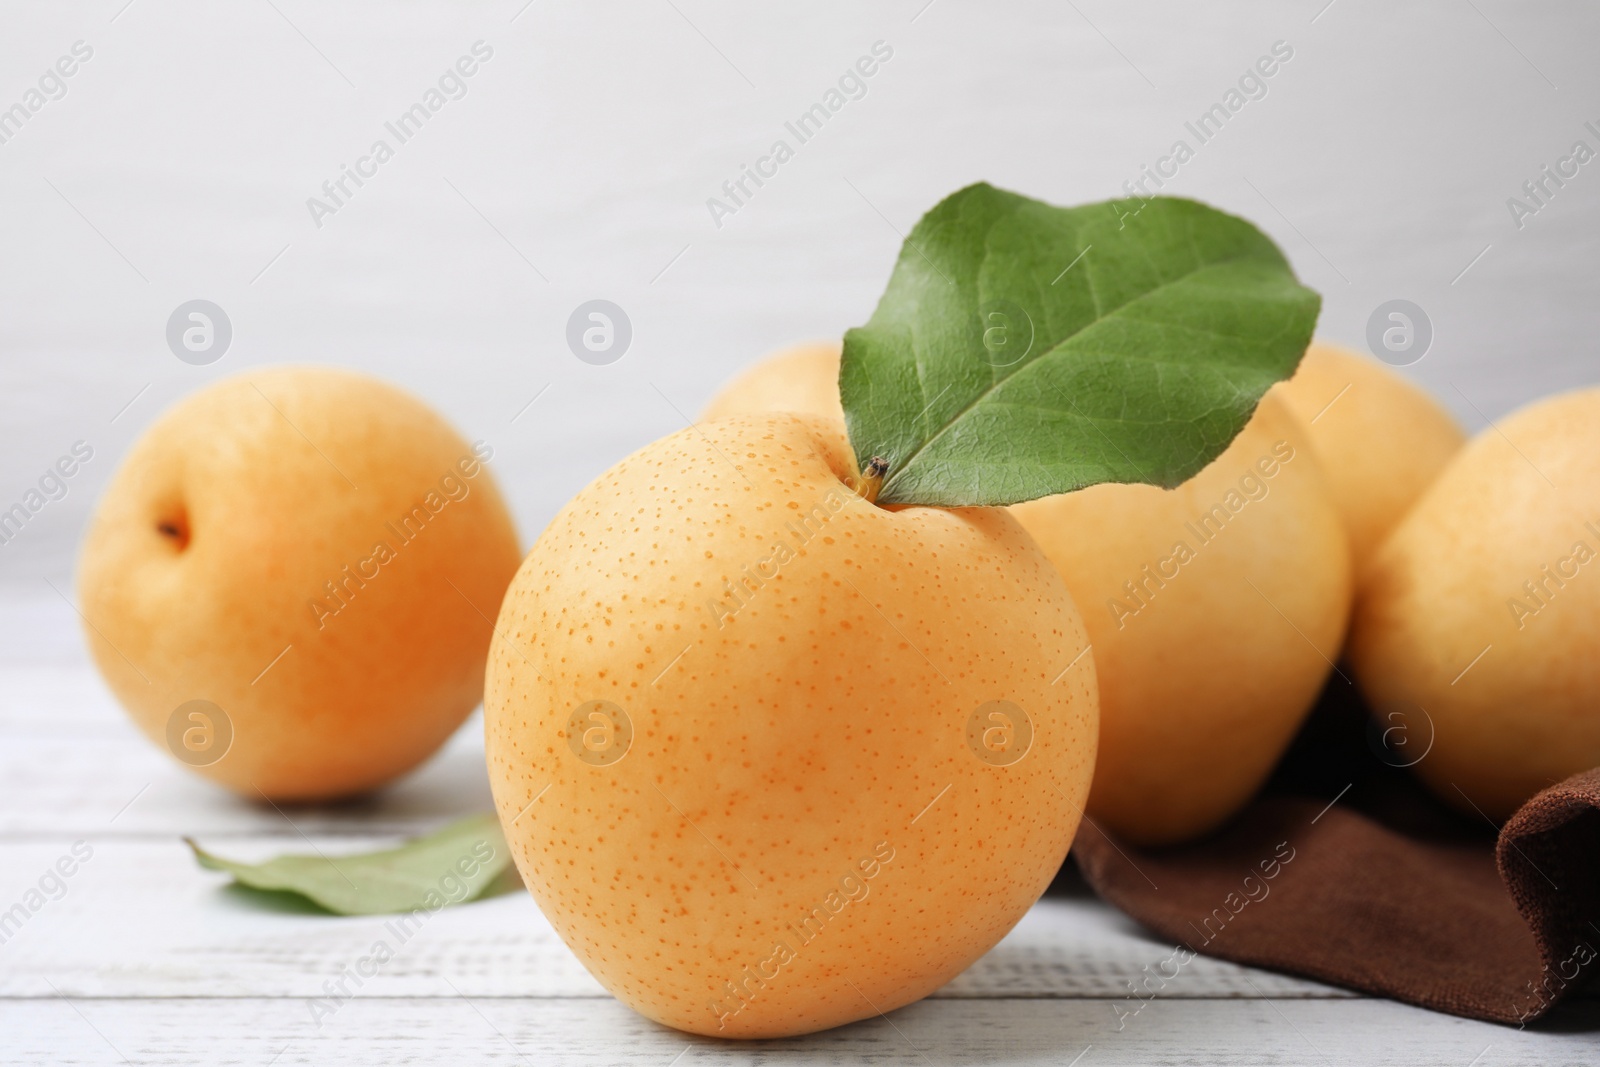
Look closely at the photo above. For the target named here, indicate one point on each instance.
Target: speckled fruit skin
(803, 760)
(1201, 693)
(1380, 440)
(1508, 695)
(254, 469)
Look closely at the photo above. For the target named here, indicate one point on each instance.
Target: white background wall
(179, 163)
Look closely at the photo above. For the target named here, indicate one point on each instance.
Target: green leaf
(1023, 349)
(464, 861)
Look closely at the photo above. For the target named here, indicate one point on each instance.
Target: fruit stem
(871, 481)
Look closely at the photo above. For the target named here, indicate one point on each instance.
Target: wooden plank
(55, 699)
(482, 1030)
(138, 918)
(109, 781)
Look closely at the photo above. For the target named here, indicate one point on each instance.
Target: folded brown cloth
(1347, 871)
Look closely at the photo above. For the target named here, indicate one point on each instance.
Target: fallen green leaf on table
(464, 861)
(1023, 349)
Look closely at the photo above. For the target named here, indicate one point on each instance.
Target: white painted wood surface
(451, 1028)
(145, 958)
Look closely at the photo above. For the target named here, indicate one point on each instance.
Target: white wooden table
(146, 959)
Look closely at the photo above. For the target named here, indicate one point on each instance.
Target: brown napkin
(1384, 889)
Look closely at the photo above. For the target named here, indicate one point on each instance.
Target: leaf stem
(870, 484)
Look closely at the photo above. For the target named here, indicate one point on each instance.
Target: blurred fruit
(1480, 616)
(802, 379)
(1215, 610)
(289, 581)
(1380, 440)
(769, 757)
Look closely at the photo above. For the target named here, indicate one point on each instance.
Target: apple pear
(1480, 615)
(802, 379)
(1215, 609)
(772, 758)
(290, 581)
(1380, 440)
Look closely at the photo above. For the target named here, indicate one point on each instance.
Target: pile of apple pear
(785, 731)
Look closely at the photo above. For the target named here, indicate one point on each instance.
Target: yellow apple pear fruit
(1215, 610)
(289, 581)
(802, 379)
(1380, 440)
(772, 758)
(1240, 591)
(1479, 620)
